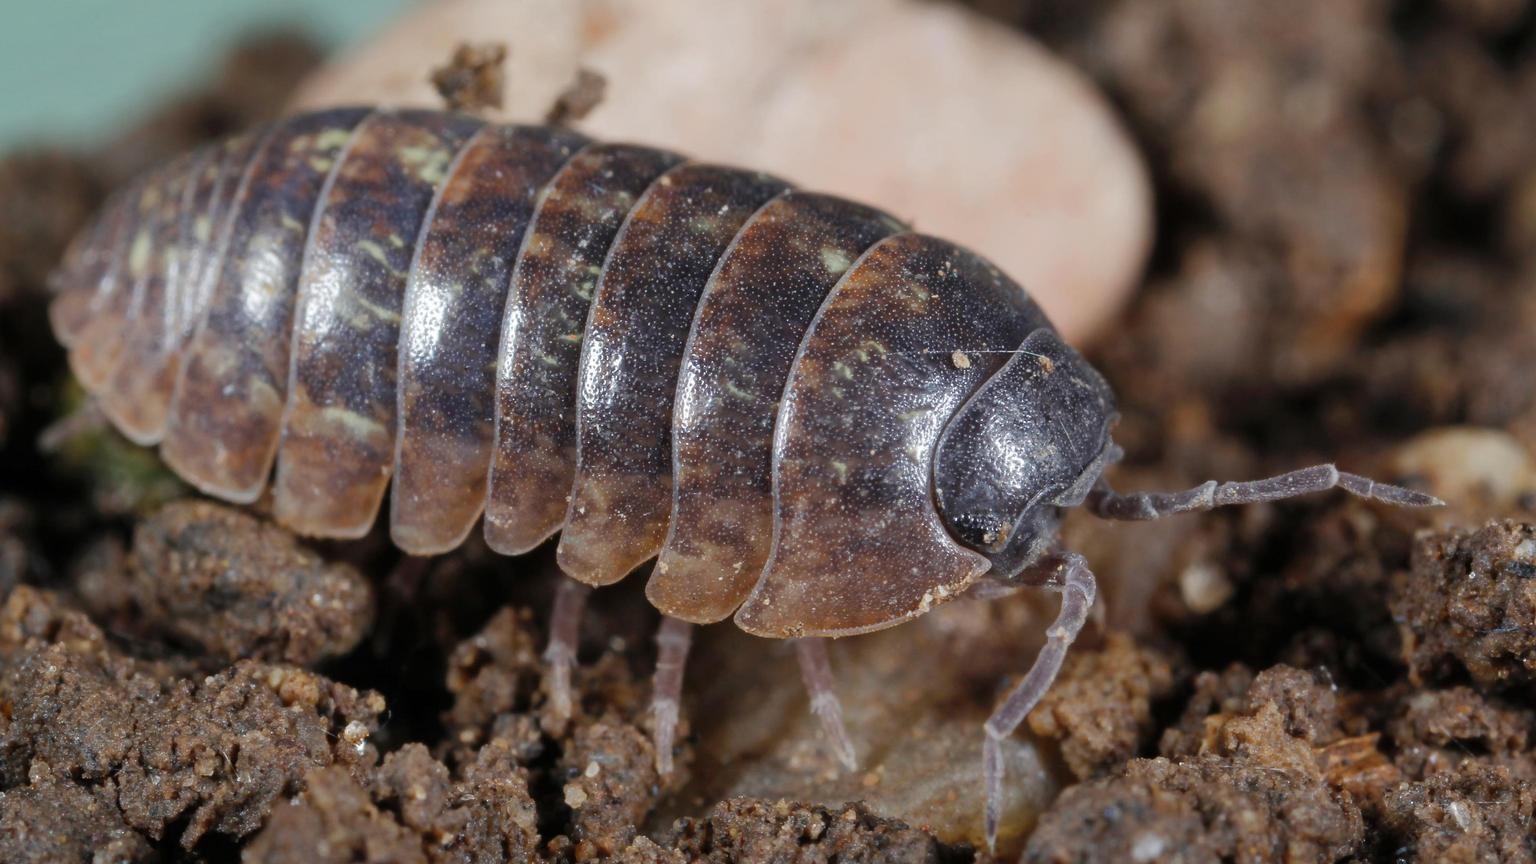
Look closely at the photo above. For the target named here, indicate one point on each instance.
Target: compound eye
(981, 530)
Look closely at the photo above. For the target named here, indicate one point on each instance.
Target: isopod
(811, 417)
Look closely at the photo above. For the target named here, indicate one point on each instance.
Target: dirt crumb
(184, 755)
(333, 820)
(31, 617)
(1307, 708)
(746, 829)
(413, 808)
(473, 79)
(604, 779)
(1207, 808)
(238, 587)
(1247, 780)
(99, 585)
(1101, 704)
(611, 784)
(493, 676)
(1469, 600)
(1469, 814)
(1435, 731)
(52, 820)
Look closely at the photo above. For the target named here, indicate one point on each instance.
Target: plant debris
(578, 99)
(473, 79)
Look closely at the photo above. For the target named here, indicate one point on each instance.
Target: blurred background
(72, 71)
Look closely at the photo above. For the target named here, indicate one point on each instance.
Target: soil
(1345, 270)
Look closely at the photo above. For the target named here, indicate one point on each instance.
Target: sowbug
(813, 418)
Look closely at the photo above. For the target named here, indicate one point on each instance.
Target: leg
(83, 420)
(564, 634)
(1108, 504)
(1072, 579)
(816, 672)
(667, 687)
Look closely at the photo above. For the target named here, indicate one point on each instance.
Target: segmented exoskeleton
(812, 417)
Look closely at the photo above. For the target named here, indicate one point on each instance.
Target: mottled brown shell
(657, 358)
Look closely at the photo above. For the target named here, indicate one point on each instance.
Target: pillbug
(814, 419)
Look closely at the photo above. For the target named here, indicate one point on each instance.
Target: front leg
(1068, 573)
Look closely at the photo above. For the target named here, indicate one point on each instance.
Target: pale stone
(1466, 465)
(967, 129)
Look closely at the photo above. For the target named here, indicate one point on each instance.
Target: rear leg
(816, 672)
(672, 642)
(564, 635)
(1067, 573)
(84, 420)
(1106, 503)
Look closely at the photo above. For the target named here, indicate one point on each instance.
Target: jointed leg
(816, 672)
(85, 419)
(1072, 579)
(672, 642)
(1108, 504)
(564, 634)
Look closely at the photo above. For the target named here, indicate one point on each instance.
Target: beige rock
(1468, 465)
(965, 128)
(915, 699)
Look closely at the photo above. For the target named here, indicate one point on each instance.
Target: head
(1032, 440)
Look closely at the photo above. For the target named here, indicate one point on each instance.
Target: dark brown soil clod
(236, 587)
(1470, 601)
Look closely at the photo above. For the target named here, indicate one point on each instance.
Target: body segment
(858, 543)
(228, 400)
(336, 452)
(631, 350)
(749, 322)
(539, 362)
(454, 301)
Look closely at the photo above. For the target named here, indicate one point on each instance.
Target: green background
(73, 69)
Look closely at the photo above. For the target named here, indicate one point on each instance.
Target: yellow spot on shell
(354, 424)
(329, 139)
(430, 164)
(378, 312)
(835, 260)
(374, 251)
(138, 255)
